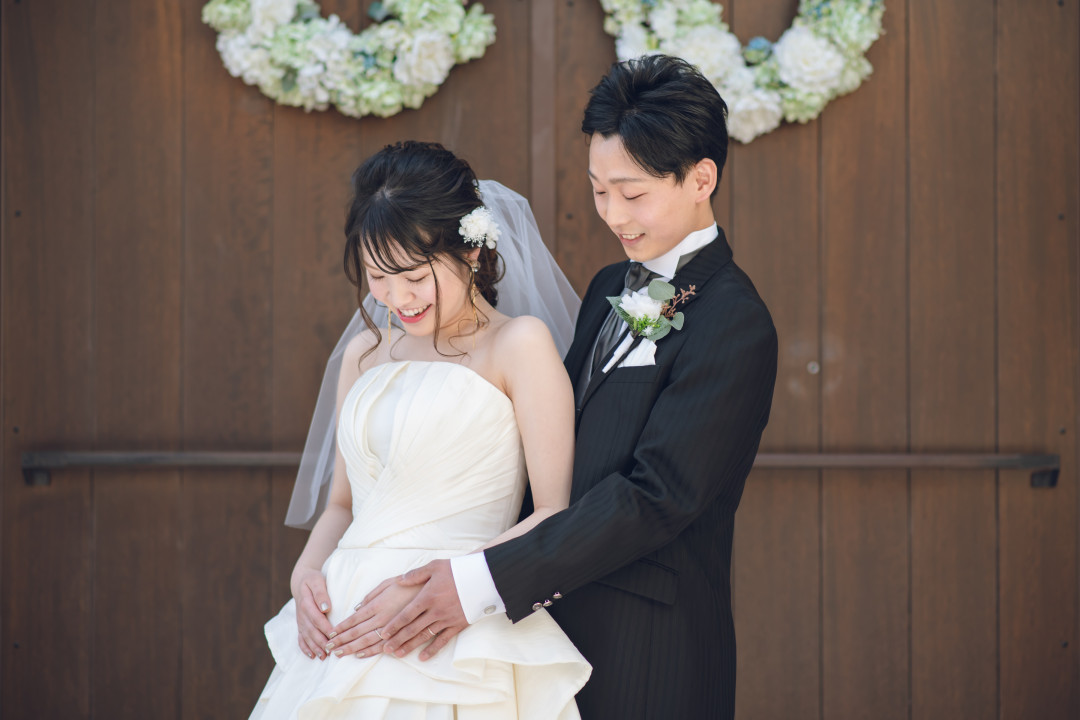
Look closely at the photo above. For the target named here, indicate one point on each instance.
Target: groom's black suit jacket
(637, 569)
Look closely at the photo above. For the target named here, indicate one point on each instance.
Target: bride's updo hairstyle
(406, 210)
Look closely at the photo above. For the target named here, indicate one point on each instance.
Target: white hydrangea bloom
(266, 15)
(807, 62)
(633, 42)
(426, 58)
(714, 51)
(640, 305)
(664, 21)
(753, 113)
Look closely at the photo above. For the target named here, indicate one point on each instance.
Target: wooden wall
(171, 279)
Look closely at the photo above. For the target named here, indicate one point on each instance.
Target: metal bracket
(1045, 478)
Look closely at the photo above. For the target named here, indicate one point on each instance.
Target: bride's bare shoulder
(525, 338)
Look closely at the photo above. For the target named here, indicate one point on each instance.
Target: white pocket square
(642, 355)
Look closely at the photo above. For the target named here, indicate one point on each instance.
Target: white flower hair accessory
(479, 228)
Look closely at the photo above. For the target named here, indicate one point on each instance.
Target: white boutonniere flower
(650, 312)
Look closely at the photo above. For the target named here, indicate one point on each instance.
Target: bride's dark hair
(408, 201)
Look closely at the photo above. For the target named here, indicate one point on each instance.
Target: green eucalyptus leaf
(677, 321)
(661, 291)
(660, 333)
(288, 83)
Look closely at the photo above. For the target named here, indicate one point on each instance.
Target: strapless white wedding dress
(436, 469)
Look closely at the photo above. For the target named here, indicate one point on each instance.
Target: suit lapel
(697, 272)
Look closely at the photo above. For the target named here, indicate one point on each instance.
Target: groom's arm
(697, 446)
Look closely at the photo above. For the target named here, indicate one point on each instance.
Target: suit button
(557, 596)
(547, 603)
(489, 609)
(537, 606)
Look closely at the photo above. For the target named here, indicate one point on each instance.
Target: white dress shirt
(472, 577)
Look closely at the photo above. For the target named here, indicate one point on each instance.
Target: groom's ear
(704, 176)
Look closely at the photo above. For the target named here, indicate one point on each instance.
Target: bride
(447, 399)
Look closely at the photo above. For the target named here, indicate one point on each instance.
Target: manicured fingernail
(361, 654)
(332, 635)
(311, 656)
(329, 647)
(338, 652)
(324, 607)
(400, 653)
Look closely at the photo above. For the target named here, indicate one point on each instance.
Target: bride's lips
(414, 318)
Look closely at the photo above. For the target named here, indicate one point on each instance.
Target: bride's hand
(312, 604)
(361, 633)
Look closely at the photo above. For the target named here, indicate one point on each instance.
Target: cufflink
(547, 603)
(489, 609)
(557, 595)
(537, 606)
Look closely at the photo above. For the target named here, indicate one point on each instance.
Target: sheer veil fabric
(532, 284)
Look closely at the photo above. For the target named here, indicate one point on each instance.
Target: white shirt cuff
(475, 588)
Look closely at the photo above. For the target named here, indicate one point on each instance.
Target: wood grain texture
(47, 356)
(138, 231)
(865, 515)
(774, 231)
(585, 244)
(1037, 226)
(227, 359)
(951, 346)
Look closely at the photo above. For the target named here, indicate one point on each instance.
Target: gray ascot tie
(637, 277)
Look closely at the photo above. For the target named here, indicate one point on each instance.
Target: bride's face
(413, 295)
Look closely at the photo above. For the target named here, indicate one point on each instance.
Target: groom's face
(649, 215)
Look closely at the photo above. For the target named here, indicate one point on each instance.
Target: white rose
(807, 62)
(754, 113)
(425, 59)
(632, 42)
(640, 305)
(714, 51)
(738, 82)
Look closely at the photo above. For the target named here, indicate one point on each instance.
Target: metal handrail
(36, 466)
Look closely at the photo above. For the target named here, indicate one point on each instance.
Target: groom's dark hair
(668, 116)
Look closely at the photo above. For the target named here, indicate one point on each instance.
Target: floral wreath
(820, 57)
(299, 58)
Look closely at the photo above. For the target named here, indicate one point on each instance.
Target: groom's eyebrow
(618, 180)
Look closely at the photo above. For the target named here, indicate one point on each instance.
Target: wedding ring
(430, 633)
(379, 634)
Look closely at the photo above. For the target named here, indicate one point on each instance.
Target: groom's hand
(434, 616)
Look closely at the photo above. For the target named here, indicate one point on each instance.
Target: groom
(637, 569)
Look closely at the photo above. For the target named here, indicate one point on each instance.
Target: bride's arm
(543, 398)
(307, 582)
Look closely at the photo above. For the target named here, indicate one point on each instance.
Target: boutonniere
(650, 312)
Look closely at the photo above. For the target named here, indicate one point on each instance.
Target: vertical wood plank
(227, 336)
(586, 53)
(46, 343)
(138, 138)
(542, 121)
(1037, 246)
(865, 394)
(777, 583)
(312, 301)
(953, 526)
